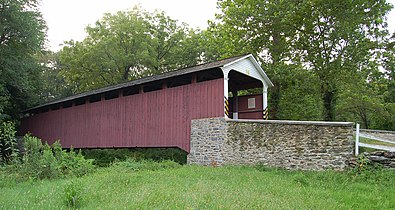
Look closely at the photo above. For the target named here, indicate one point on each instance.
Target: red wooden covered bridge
(154, 111)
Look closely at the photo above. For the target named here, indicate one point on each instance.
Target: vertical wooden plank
(128, 123)
(123, 123)
(186, 122)
(211, 100)
(171, 114)
(138, 119)
(145, 128)
(175, 114)
(198, 100)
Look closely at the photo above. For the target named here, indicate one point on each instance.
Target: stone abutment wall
(286, 144)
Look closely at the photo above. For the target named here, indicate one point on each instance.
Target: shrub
(75, 163)
(104, 157)
(43, 161)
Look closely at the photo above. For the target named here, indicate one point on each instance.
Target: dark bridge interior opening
(245, 96)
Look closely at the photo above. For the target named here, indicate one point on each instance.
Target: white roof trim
(256, 64)
(235, 61)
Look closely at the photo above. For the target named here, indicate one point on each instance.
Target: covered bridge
(154, 111)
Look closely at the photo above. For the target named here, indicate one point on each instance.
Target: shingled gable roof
(201, 67)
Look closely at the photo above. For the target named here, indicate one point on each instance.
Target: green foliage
(73, 194)
(253, 27)
(126, 46)
(8, 143)
(22, 35)
(387, 120)
(336, 45)
(298, 100)
(363, 163)
(104, 157)
(329, 43)
(41, 161)
(361, 104)
(55, 85)
(365, 168)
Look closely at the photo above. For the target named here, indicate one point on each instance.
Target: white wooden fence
(369, 135)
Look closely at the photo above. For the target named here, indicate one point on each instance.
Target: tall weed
(73, 193)
(8, 143)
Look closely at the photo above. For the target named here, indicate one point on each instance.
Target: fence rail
(371, 135)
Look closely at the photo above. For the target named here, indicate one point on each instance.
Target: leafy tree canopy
(22, 35)
(333, 41)
(125, 46)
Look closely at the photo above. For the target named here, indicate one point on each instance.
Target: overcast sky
(67, 19)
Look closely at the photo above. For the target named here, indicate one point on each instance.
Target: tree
(126, 46)
(359, 103)
(389, 67)
(261, 28)
(173, 46)
(253, 27)
(331, 39)
(300, 99)
(337, 38)
(55, 85)
(369, 98)
(22, 33)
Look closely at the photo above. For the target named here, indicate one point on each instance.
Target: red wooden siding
(244, 111)
(159, 118)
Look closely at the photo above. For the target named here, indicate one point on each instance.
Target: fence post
(357, 140)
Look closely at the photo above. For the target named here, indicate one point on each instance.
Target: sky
(67, 19)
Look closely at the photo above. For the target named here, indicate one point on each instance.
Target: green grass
(134, 186)
(372, 141)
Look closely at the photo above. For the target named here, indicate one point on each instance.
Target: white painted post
(357, 140)
(264, 97)
(226, 86)
(236, 108)
(265, 111)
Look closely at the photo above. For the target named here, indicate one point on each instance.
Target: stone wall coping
(293, 122)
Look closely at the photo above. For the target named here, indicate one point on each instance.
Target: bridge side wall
(159, 118)
(286, 144)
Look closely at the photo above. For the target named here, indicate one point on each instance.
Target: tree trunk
(364, 118)
(328, 97)
(125, 75)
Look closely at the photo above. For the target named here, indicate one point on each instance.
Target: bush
(104, 157)
(43, 161)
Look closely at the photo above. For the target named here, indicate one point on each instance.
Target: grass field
(196, 187)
